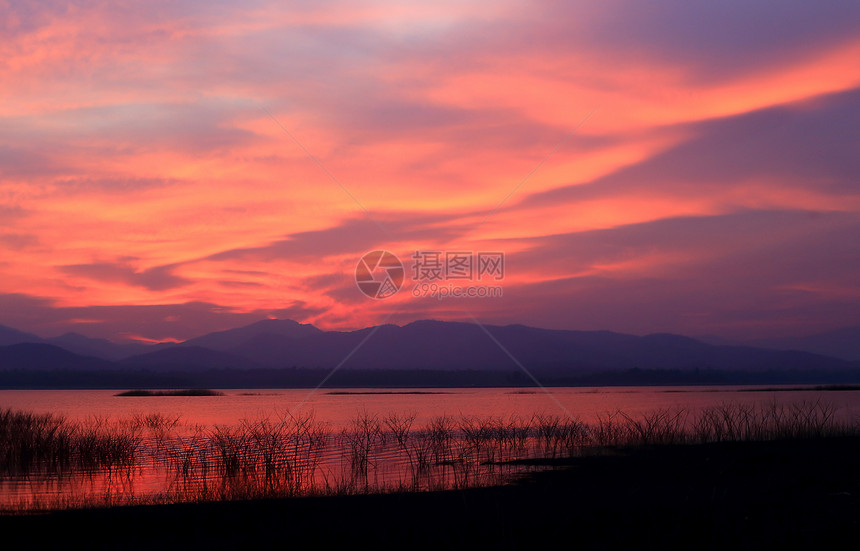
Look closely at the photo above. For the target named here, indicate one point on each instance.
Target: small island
(185, 392)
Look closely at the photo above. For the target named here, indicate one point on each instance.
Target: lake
(114, 450)
(338, 407)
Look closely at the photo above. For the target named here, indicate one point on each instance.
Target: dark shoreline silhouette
(742, 495)
(397, 379)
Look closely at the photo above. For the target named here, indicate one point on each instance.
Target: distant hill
(842, 343)
(13, 336)
(41, 357)
(76, 343)
(100, 348)
(188, 357)
(419, 346)
(456, 346)
(234, 338)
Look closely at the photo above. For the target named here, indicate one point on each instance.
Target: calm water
(252, 443)
(337, 408)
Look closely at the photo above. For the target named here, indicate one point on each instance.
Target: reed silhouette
(100, 461)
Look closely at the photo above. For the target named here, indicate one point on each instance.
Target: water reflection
(52, 463)
(48, 461)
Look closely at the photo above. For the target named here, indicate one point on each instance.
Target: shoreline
(760, 494)
(306, 378)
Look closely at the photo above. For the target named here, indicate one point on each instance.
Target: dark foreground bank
(749, 495)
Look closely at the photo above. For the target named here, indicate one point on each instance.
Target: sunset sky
(664, 166)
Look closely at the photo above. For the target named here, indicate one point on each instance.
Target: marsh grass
(295, 455)
(769, 421)
(257, 458)
(47, 443)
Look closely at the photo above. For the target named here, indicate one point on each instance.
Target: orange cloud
(140, 164)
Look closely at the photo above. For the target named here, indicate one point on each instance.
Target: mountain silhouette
(40, 357)
(421, 345)
(449, 346)
(188, 357)
(233, 338)
(100, 348)
(13, 336)
(841, 343)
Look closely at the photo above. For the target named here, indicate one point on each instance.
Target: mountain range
(421, 345)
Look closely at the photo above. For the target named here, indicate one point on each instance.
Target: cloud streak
(715, 190)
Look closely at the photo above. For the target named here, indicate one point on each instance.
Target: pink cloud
(140, 171)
